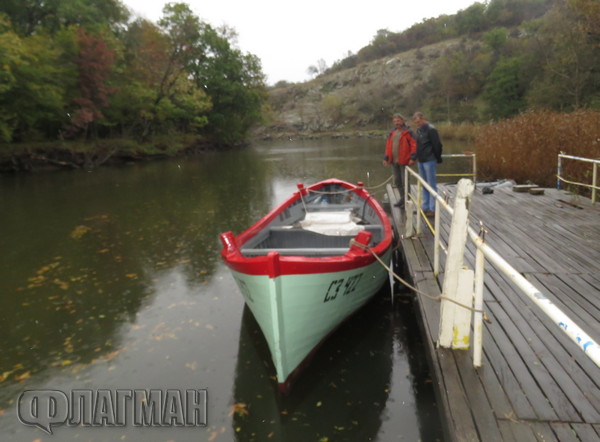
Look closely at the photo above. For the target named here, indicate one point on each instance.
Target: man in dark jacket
(429, 153)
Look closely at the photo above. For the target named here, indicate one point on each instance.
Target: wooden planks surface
(535, 383)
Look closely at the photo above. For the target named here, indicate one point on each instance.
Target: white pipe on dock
(569, 327)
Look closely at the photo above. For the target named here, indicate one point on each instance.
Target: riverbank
(34, 157)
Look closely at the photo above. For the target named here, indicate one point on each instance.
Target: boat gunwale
(299, 264)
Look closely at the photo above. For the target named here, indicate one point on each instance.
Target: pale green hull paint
(295, 312)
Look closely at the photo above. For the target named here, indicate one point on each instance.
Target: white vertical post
(478, 316)
(406, 184)
(436, 247)
(559, 171)
(419, 204)
(408, 225)
(455, 321)
(594, 177)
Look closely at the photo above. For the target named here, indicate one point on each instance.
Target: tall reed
(526, 148)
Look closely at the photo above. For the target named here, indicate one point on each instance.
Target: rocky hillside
(360, 98)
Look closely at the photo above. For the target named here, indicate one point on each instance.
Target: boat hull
(300, 284)
(297, 312)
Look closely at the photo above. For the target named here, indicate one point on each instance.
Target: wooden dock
(535, 384)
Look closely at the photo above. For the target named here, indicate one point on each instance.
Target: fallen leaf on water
(61, 284)
(131, 275)
(239, 408)
(23, 376)
(213, 435)
(79, 231)
(270, 435)
(209, 326)
(192, 365)
(319, 403)
(4, 376)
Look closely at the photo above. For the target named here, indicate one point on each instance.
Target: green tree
(505, 89)
(30, 16)
(235, 84)
(156, 95)
(568, 76)
(31, 93)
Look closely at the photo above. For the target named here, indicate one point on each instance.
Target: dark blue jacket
(429, 146)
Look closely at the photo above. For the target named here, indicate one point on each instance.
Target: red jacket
(406, 149)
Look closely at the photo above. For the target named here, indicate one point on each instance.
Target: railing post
(408, 225)
(406, 184)
(474, 168)
(558, 171)
(478, 305)
(436, 248)
(419, 204)
(455, 320)
(594, 177)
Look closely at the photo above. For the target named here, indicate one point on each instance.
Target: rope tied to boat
(438, 298)
(339, 192)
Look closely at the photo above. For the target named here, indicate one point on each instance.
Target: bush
(526, 148)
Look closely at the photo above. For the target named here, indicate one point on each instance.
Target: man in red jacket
(400, 151)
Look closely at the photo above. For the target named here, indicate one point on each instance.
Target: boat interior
(316, 226)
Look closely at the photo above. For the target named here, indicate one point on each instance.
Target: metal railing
(560, 178)
(475, 296)
(472, 174)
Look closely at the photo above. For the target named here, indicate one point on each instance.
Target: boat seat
(297, 241)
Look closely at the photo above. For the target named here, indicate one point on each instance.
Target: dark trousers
(399, 178)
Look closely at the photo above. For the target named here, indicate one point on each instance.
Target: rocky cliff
(360, 98)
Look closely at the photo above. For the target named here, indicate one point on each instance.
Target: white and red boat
(299, 272)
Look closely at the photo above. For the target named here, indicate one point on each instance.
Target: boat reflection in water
(340, 396)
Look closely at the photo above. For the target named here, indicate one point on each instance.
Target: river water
(112, 279)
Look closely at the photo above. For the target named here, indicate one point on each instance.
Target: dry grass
(526, 148)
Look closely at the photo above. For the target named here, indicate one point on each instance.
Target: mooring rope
(438, 298)
(318, 192)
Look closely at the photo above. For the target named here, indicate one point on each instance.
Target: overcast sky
(290, 37)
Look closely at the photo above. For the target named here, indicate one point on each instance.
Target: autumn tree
(157, 95)
(94, 64)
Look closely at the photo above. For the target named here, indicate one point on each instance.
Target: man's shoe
(430, 213)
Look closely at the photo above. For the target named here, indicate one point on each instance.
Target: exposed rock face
(363, 97)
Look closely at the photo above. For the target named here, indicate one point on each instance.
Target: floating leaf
(240, 409)
(79, 231)
(5, 375)
(23, 376)
(192, 365)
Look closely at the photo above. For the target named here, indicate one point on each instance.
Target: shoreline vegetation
(523, 148)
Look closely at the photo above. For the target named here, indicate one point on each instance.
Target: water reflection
(348, 381)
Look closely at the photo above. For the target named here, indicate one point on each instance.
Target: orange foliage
(526, 148)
